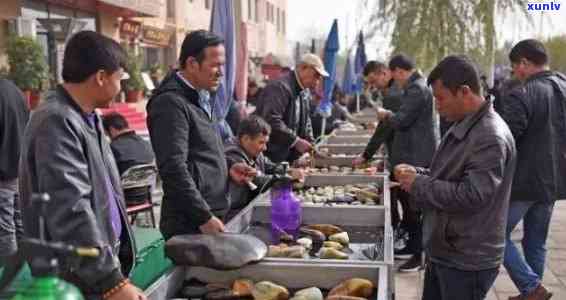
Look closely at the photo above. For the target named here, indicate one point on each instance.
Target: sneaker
(400, 243)
(404, 253)
(414, 264)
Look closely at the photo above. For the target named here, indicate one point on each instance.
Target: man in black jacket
(129, 149)
(536, 114)
(465, 193)
(415, 141)
(14, 116)
(285, 105)
(378, 75)
(188, 149)
(66, 155)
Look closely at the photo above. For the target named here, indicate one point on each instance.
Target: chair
(136, 183)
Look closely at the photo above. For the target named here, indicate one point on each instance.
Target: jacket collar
(188, 90)
(540, 75)
(461, 129)
(414, 77)
(68, 99)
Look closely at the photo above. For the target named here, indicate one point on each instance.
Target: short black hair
(531, 50)
(114, 120)
(373, 66)
(253, 126)
(194, 44)
(401, 61)
(455, 71)
(88, 52)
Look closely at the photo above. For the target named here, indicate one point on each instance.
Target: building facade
(154, 28)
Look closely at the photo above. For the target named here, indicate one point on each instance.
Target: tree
(431, 29)
(556, 49)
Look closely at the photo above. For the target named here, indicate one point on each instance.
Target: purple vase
(286, 212)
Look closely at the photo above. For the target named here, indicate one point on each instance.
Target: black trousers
(411, 221)
(443, 283)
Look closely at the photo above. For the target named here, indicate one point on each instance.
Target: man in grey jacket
(414, 142)
(65, 154)
(536, 114)
(465, 192)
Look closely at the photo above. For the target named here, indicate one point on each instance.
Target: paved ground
(409, 286)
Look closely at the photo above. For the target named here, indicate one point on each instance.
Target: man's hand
(297, 174)
(241, 173)
(213, 226)
(405, 175)
(303, 161)
(128, 292)
(302, 145)
(359, 160)
(383, 114)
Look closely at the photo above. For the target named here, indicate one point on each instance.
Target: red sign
(130, 28)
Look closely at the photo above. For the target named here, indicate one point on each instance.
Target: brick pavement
(409, 285)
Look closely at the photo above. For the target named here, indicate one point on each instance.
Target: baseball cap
(314, 61)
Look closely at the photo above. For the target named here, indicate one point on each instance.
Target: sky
(307, 18)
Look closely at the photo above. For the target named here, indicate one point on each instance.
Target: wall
(9, 9)
(108, 25)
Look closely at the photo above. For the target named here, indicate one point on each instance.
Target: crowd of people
(467, 173)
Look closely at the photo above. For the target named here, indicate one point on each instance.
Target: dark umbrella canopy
(360, 60)
(330, 51)
(222, 23)
(349, 80)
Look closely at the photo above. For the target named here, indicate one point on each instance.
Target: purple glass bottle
(286, 211)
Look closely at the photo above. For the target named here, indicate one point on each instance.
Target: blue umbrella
(330, 50)
(360, 60)
(349, 80)
(222, 23)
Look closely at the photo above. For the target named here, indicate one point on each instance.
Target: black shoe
(404, 253)
(414, 264)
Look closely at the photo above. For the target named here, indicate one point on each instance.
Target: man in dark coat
(188, 148)
(14, 116)
(536, 114)
(415, 141)
(285, 105)
(378, 76)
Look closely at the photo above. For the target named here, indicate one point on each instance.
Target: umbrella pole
(323, 127)
(357, 102)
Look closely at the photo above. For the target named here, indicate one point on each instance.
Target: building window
(250, 14)
(278, 20)
(207, 4)
(170, 8)
(256, 10)
(272, 14)
(283, 21)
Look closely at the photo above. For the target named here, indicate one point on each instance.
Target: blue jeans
(526, 272)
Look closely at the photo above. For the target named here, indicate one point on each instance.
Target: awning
(146, 8)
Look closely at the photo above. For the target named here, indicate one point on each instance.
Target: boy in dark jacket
(252, 141)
